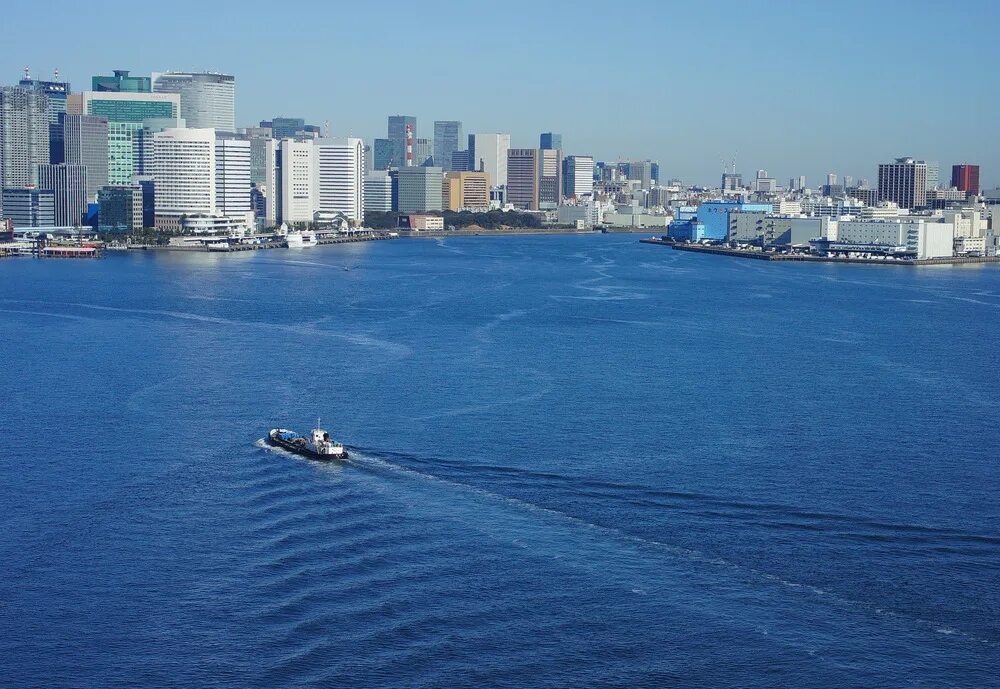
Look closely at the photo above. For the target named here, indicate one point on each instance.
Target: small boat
(319, 445)
(296, 240)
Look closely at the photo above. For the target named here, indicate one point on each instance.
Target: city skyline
(788, 93)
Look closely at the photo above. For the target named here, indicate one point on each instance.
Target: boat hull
(304, 450)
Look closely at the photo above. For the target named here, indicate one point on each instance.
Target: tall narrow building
(522, 178)
(68, 184)
(549, 178)
(24, 135)
(232, 177)
(340, 177)
(447, 140)
(184, 172)
(207, 99)
(965, 177)
(903, 182)
(397, 135)
(85, 142)
(488, 153)
(290, 182)
(578, 177)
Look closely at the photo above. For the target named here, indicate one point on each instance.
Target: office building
(423, 152)
(28, 207)
(24, 135)
(68, 184)
(382, 151)
(207, 99)
(460, 161)
(340, 177)
(488, 153)
(419, 189)
(641, 171)
(522, 178)
(232, 177)
(125, 112)
(378, 192)
(933, 174)
(903, 182)
(466, 191)
(290, 182)
(184, 170)
(550, 183)
(578, 176)
(397, 132)
(549, 141)
(290, 128)
(56, 91)
(965, 177)
(121, 82)
(120, 208)
(447, 140)
(85, 142)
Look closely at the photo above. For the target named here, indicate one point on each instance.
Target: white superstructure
(489, 154)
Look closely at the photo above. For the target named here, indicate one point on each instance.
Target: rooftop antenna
(27, 72)
(55, 74)
(326, 129)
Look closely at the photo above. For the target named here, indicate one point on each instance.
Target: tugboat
(318, 446)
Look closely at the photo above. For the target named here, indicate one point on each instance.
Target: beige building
(466, 190)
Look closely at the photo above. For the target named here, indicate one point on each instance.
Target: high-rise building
(382, 151)
(184, 170)
(378, 192)
(120, 208)
(232, 176)
(397, 135)
(290, 181)
(68, 184)
(56, 91)
(290, 128)
(85, 142)
(488, 153)
(121, 82)
(831, 178)
(126, 113)
(642, 171)
(340, 177)
(423, 153)
(802, 182)
(903, 182)
(28, 206)
(447, 140)
(522, 178)
(466, 191)
(549, 177)
(207, 99)
(965, 177)
(24, 135)
(550, 141)
(460, 161)
(578, 176)
(933, 174)
(419, 189)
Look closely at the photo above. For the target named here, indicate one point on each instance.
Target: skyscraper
(447, 140)
(184, 170)
(232, 176)
(397, 135)
(125, 113)
(578, 177)
(290, 181)
(68, 184)
(419, 189)
(340, 177)
(488, 153)
(378, 192)
(933, 174)
(207, 99)
(550, 141)
(120, 82)
(642, 171)
(24, 135)
(965, 177)
(549, 177)
(522, 178)
(423, 153)
(903, 182)
(85, 142)
(382, 150)
(56, 91)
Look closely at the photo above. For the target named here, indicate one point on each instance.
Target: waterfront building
(232, 176)
(28, 206)
(920, 237)
(85, 142)
(68, 184)
(120, 208)
(208, 100)
(340, 177)
(420, 222)
(578, 176)
(419, 189)
(550, 183)
(290, 182)
(714, 216)
(382, 151)
(903, 182)
(488, 153)
(965, 177)
(126, 113)
(258, 202)
(447, 140)
(397, 135)
(765, 229)
(466, 191)
(549, 141)
(184, 170)
(121, 82)
(24, 135)
(378, 192)
(522, 178)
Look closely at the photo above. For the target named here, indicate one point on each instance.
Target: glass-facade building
(125, 114)
(121, 82)
(447, 140)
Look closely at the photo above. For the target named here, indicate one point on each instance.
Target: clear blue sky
(794, 87)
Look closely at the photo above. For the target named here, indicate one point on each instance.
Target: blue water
(581, 462)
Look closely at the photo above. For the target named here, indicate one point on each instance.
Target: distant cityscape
(162, 153)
